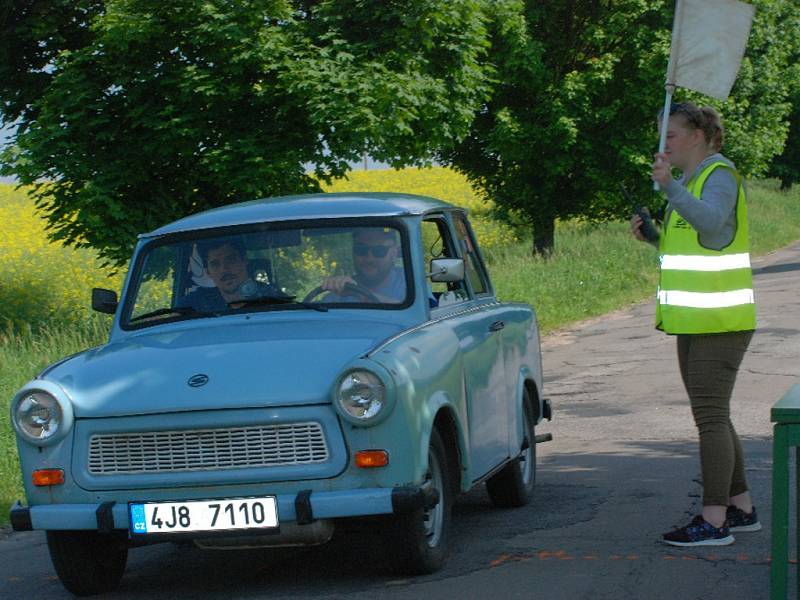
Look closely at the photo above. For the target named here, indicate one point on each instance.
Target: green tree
(134, 112)
(786, 167)
(757, 114)
(573, 113)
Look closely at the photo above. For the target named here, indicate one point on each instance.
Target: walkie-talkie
(648, 228)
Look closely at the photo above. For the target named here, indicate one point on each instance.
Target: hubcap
(526, 459)
(432, 518)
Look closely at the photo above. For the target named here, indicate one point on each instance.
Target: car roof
(307, 207)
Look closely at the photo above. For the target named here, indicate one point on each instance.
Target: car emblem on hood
(198, 380)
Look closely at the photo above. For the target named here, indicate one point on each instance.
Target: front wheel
(422, 537)
(513, 485)
(87, 562)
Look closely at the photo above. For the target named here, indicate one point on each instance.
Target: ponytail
(713, 129)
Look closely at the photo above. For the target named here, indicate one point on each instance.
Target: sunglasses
(378, 251)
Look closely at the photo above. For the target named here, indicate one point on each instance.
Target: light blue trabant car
(278, 365)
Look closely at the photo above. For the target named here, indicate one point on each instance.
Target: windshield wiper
(262, 300)
(178, 310)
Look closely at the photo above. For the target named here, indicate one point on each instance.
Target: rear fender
(525, 381)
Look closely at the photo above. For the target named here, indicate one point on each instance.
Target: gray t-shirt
(714, 218)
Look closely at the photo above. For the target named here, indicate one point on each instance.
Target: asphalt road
(622, 469)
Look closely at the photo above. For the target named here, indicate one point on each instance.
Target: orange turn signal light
(45, 477)
(370, 459)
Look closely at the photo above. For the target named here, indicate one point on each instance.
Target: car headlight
(38, 415)
(361, 395)
(41, 413)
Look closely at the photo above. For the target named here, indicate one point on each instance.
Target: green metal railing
(786, 434)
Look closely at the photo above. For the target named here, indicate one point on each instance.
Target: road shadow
(779, 268)
(572, 488)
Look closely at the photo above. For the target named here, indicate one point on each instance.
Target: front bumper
(302, 508)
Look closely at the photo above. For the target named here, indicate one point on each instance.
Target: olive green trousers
(709, 364)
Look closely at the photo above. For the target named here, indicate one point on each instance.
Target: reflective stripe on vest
(703, 290)
(706, 300)
(725, 262)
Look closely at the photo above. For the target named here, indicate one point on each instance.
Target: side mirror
(447, 269)
(104, 301)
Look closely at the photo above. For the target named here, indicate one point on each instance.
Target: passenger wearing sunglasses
(375, 251)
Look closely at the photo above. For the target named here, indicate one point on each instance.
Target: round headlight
(38, 415)
(362, 395)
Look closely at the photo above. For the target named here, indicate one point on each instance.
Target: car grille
(207, 449)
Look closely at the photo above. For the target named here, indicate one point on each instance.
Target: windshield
(312, 268)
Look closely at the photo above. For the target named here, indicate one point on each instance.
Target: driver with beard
(375, 251)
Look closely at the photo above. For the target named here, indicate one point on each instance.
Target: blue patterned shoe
(699, 533)
(738, 520)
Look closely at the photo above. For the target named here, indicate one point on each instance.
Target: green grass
(594, 269)
(598, 268)
(22, 355)
(774, 216)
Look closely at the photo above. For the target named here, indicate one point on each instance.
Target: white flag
(708, 42)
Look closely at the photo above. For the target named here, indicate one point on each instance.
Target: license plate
(204, 515)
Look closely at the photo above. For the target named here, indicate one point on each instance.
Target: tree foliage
(573, 114)
(568, 119)
(132, 113)
(786, 166)
(756, 116)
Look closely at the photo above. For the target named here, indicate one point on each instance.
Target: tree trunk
(544, 227)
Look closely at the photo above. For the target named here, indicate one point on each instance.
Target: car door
(480, 336)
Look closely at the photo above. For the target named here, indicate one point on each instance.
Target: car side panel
(487, 389)
(427, 366)
(521, 346)
(523, 365)
(429, 362)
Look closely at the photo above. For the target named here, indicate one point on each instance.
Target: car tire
(513, 486)
(422, 537)
(87, 562)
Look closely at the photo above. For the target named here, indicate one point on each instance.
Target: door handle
(496, 326)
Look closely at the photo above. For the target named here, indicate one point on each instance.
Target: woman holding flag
(705, 298)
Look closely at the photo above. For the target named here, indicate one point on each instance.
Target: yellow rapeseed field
(44, 283)
(439, 182)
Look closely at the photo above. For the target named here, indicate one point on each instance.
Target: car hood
(245, 364)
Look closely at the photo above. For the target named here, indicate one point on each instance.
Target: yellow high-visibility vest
(703, 290)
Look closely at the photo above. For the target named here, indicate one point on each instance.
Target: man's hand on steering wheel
(348, 288)
(337, 284)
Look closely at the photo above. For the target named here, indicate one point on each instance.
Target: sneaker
(738, 520)
(699, 533)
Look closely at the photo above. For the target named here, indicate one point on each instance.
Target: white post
(662, 140)
(670, 83)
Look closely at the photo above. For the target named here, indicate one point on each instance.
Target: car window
(156, 286)
(437, 242)
(476, 274)
(330, 267)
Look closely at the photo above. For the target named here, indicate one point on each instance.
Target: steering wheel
(350, 289)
